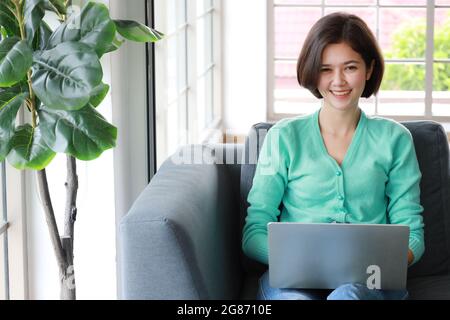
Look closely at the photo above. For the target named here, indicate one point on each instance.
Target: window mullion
(429, 52)
(270, 59)
(4, 224)
(191, 72)
(216, 44)
(377, 35)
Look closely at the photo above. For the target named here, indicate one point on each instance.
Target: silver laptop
(327, 255)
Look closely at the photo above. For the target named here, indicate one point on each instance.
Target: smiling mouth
(341, 93)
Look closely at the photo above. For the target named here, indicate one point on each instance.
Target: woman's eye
(351, 68)
(325, 70)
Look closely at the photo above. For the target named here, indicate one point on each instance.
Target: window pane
(2, 177)
(172, 22)
(368, 15)
(210, 114)
(441, 89)
(299, 101)
(176, 130)
(291, 27)
(2, 268)
(172, 67)
(176, 15)
(176, 65)
(286, 75)
(205, 104)
(3, 218)
(181, 10)
(442, 33)
(403, 2)
(442, 2)
(403, 90)
(203, 5)
(289, 97)
(204, 44)
(351, 2)
(201, 104)
(398, 27)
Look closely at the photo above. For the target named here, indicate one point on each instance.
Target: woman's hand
(410, 257)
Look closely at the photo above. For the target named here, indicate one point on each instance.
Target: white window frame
(428, 60)
(189, 92)
(17, 239)
(16, 231)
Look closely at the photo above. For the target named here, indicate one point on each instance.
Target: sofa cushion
(432, 151)
(429, 288)
(253, 144)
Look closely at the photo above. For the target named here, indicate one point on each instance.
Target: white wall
(244, 64)
(129, 102)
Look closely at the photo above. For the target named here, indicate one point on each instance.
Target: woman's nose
(338, 78)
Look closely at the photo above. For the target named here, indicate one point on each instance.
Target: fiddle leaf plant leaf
(28, 149)
(7, 19)
(43, 34)
(115, 44)
(135, 31)
(34, 11)
(10, 103)
(65, 76)
(16, 58)
(56, 6)
(84, 133)
(99, 94)
(91, 26)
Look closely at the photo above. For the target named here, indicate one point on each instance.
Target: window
(414, 36)
(187, 60)
(4, 264)
(13, 262)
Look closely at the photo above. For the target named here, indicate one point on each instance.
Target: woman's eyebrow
(345, 63)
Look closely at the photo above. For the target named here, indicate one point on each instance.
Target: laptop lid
(327, 255)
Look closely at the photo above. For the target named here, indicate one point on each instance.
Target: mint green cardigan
(377, 182)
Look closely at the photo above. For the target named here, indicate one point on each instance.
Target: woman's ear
(370, 70)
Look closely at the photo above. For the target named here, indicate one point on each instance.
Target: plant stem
(50, 218)
(71, 197)
(19, 18)
(32, 103)
(68, 289)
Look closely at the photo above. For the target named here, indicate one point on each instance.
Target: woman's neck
(338, 123)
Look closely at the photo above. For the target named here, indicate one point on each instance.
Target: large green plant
(57, 76)
(409, 41)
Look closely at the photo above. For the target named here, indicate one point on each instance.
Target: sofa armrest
(180, 240)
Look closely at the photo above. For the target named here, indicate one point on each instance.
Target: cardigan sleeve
(403, 192)
(266, 194)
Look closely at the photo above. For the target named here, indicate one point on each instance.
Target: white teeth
(341, 93)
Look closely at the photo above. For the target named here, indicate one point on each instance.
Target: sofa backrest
(432, 149)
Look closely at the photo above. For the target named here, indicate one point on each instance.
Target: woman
(337, 164)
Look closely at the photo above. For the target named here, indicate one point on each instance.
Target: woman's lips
(341, 94)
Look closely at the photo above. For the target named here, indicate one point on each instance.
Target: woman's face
(343, 76)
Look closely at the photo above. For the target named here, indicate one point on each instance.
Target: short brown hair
(336, 28)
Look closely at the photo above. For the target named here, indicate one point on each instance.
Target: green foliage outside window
(409, 41)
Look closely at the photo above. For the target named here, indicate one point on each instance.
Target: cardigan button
(338, 173)
(340, 197)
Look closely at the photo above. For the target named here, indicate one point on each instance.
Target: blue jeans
(351, 291)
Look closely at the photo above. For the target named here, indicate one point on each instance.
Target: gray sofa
(182, 237)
